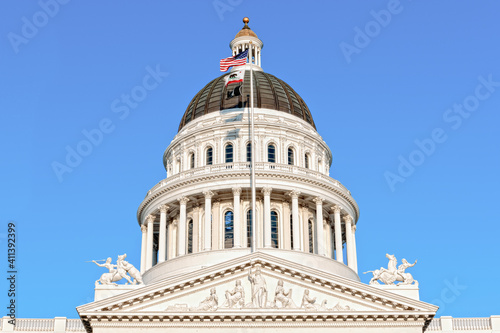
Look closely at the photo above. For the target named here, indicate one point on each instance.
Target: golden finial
(246, 20)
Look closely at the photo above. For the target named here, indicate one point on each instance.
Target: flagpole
(252, 156)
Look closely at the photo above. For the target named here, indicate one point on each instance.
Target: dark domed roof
(269, 93)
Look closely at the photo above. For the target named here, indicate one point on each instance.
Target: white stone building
(201, 267)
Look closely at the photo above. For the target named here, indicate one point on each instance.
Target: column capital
(150, 218)
(174, 222)
(318, 200)
(267, 190)
(183, 200)
(294, 194)
(163, 208)
(354, 227)
(208, 194)
(143, 228)
(347, 218)
(236, 190)
(336, 209)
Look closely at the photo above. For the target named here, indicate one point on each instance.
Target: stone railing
(245, 166)
(58, 324)
(74, 325)
(470, 324)
(34, 325)
(449, 324)
(435, 325)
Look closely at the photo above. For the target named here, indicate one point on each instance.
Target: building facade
(211, 263)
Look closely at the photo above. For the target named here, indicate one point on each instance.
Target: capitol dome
(201, 214)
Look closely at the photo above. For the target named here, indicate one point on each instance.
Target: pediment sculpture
(393, 273)
(118, 272)
(235, 298)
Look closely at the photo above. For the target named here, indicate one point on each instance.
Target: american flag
(237, 60)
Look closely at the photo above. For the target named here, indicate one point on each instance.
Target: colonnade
(330, 232)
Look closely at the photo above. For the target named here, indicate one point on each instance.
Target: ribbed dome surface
(269, 93)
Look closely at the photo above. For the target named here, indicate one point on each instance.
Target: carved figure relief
(393, 273)
(309, 303)
(283, 298)
(235, 298)
(259, 288)
(211, 303)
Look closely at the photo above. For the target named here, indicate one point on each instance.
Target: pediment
(213, 291)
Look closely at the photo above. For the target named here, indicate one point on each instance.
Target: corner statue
(391, 274)
(118, 272)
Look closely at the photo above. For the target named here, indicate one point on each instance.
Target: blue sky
(406, 94)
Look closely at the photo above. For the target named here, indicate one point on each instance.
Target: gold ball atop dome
(246, 20)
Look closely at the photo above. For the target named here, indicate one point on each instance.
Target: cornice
(261, 174)
(256, 319)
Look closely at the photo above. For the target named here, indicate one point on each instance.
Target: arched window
(306, 161)
(274, 229)
(190, 236)
(291, 231)
(228, 230)
(249, 228)
(209, 156)
(271, 153)
(310, 231)
(229, 153)
(249, 152)
(290, 156)
(191, 161)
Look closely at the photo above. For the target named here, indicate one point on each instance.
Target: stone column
(207, 239)
(328, 238)
(170, 235)
(305, 228)
(258, 223)
(287, 231)
(354, 247)
(267, 216)
(144, 230)
(149, 250)
(162, 250)
(196, 229)
(295, 220)
(332, 239)
(320, 235)
(348, 239)
(173, 238)
(218, 227)
(236, 217)
(181, 237)
(338, 234)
